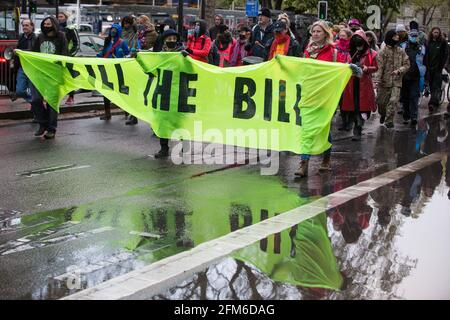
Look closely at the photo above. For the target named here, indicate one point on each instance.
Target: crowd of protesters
(388, 76)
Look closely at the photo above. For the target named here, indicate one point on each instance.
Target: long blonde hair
(326, 30)
(145, 20)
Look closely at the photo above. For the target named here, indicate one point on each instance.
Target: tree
(427, 9)
(339, 10)
(210, 6)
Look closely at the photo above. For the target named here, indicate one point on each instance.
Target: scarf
(314, 49)
(283, 40)
(238, 53)
(343, 45)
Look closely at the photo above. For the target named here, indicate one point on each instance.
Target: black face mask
(242, 36)
(47, 30)
(171, 44)
(359, 42)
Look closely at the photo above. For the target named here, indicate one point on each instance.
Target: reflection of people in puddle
(385, 198)
(351, 218)
(447, 173)
(410, 188)
(422, 131)
(301, 256)
(432, 176)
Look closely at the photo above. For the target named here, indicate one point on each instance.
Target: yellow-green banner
(285, 104)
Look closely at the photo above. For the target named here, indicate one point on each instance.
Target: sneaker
(69, 101)
(163, 153)
(389, 125)
(382, 119)
(39, 132)
(105, 117)
(49, 135)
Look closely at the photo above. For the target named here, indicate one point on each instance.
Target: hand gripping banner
(285, 104)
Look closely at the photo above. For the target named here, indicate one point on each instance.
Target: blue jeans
(23, 85)
(326, 153)
(46, 116)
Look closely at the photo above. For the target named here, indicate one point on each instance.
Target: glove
(189, 51)
(184, 53)
(357, 71)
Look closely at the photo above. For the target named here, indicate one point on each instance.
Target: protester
(147, 34)
(321, 48)
(373, 40)
(218, 25)
(198, 43)
(166, 25)
(422, 40)
(402, 33)
(262, 35)
(73, 43)
(354, 25)
(284, 43)
(50, 41)
(114, 47)
(435, 61)
(239, 51)
(359, 97)
(222, 48)
(171, 43)
(26, 42)
(413, 80)
(392, 63)
(342, 44)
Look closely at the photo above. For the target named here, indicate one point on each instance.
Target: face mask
(140, 27)
(354, 29)
(113, 33)
(63, 24)
(47, 30)
(197, 29)
(359, 42)
(413, 39)
(171, 44)
(242, 37)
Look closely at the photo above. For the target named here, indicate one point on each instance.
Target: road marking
(38, 172)
(164, 274)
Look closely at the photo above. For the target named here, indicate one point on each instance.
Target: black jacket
(56, 44)
(265, 39)
(26, 44)
(437, 54)
(72, 39)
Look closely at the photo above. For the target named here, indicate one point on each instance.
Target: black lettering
(90, 71)
(147, 88)
(282, 115)
(163, 90)
(298, 117)
(104, 76)
(73, 73)
(263, 242)
(268, 100)
(185, 92)
(240, 97)
(122, 87)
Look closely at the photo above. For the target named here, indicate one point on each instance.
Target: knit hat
(265, 12)
(400, 28)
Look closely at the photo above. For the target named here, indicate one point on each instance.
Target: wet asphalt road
(94, 201)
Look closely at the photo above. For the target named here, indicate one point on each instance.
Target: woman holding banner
(321, 47)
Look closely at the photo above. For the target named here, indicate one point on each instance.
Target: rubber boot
(326, 163)
(303, 170)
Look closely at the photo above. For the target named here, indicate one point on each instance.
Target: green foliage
(340, 10)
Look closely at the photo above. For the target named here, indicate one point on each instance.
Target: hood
(54, 21)
(362, 34)
(119, 30)
(374, 36)
(388, 38)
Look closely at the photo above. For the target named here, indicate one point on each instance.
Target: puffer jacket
(389, 60)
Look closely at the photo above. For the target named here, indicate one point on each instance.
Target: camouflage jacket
(389, 60)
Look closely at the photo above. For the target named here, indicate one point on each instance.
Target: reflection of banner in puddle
(204, 208)
(297, 97)
(301, 256)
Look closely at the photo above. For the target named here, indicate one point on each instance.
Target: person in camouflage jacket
(393, 63)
